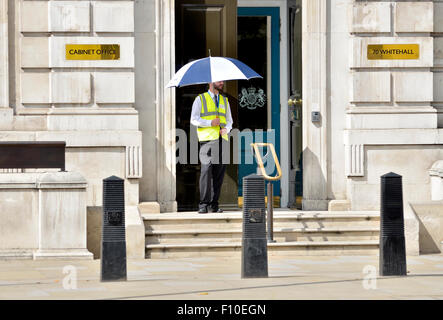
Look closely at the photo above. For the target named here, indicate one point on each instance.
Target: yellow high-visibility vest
(209, 112)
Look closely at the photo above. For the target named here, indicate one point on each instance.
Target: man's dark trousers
(212, 172)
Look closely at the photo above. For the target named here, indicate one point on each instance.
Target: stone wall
(90, 104)
(393, 122)
(392, 93)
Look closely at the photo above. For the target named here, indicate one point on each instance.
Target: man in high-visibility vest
(212, 117)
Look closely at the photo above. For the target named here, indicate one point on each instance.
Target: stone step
(191, 234)
(192, 221)
(280, 235)
(230, 249)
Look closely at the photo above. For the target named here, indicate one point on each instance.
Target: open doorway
(200, 26)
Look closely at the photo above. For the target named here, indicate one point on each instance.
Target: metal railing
(270, 209)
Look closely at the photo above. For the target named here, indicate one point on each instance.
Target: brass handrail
(260, 160)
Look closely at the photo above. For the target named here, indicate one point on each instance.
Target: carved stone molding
(133, 162)
(355, 156)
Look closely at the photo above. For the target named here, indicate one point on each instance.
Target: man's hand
(223, 131)
(215, 122)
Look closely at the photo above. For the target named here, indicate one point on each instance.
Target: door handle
(294, 102)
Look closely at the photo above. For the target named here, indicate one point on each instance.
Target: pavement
(290, 278)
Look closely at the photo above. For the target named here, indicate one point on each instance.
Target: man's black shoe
(217, 210)
(203, 210)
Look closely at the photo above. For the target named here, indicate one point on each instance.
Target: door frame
(164, 187)
(283, 93)
(274, 14)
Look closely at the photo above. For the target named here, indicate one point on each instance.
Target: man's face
(218, 85)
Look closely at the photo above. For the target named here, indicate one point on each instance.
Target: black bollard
(113, 250)
(392, 231)
(254, 244)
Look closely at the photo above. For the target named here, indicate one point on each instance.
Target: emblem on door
(250, 99)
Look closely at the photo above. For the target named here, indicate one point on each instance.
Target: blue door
(259, 99)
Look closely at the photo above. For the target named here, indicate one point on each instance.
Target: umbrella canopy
(212, 69)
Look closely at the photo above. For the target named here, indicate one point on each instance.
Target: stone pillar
(144, 20)
(315, 135)
(6, 113)
(165, 105)
(62, 216)
(4, 86)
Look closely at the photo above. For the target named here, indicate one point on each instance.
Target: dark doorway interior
(200, 26)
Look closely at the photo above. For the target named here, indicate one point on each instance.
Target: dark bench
(32, 155)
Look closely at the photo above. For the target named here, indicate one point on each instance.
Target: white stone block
(96, 163)
(132, 197)
(371, 17)
(360, 52)
(88, 138)
(71, 87)
(18, 211)
(438, 87)
(414, 17)
(339, 205)
(69, 16)
(135, 233)
(113, 16)
(144, 16)
(438, 16)
(62, 122)
(363, 196)
(412, 162)
(149, 207)
(34, 87)
(35, 52)
(393, 120)
(58, 52)
(438, 52)
(6, 118)
(62, 216)
(113, 87)
(413, 86)
(400, 137)
(34, 16)
(63, 208)
(371, 87)
(43, 215)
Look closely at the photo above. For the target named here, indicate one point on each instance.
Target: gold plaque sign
(92, 51)
(393, 51)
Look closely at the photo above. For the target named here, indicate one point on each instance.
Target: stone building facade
(117, 117)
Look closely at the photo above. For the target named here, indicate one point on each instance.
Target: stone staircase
(189, 234)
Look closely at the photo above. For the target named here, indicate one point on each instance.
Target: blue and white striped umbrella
(212, 69)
